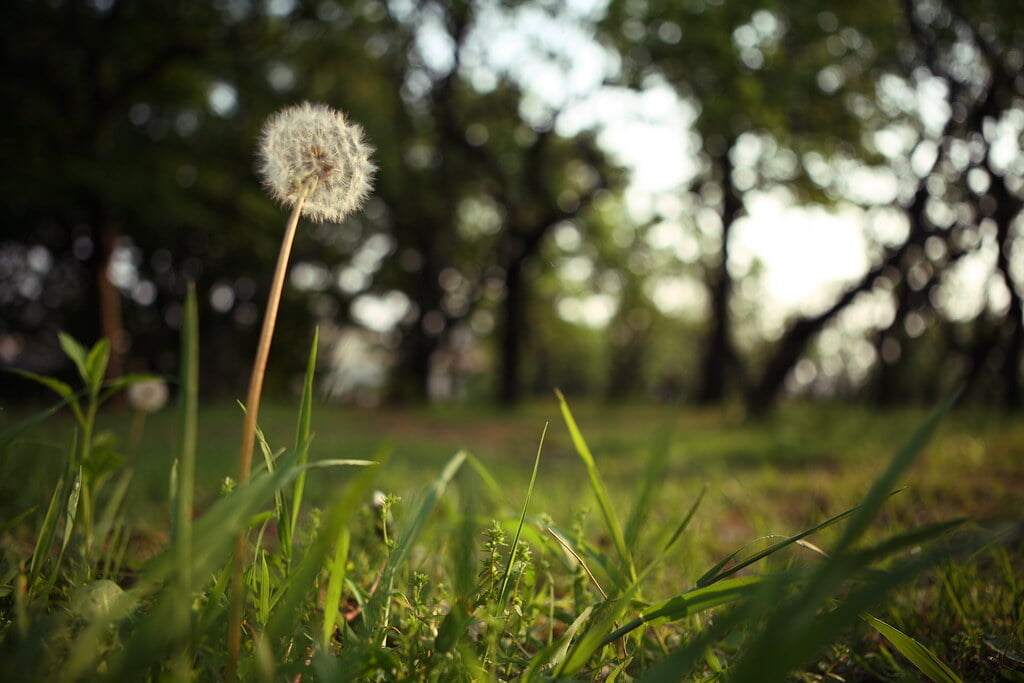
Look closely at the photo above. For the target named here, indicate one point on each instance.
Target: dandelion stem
(252, 407)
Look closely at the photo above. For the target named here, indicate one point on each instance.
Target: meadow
(499, 571)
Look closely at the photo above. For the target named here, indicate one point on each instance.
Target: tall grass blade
(503, 592)
(335, 582)
(800, 627)
(717, 572)
(376, 607)
(303, 435)
(919, 655)
(607, 511)
(885, 483)
(653, 478)
(683, 525)
(45, 538)
(692, 602)
(188, 418)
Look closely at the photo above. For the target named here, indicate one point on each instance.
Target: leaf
(96, 366)
(18, 428)
(61, 388)
(919, 655)
(76, 352)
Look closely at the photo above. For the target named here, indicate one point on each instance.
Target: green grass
(654, 540)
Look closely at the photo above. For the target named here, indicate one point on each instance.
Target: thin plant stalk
(252, 407)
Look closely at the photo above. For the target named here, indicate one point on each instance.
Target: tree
(814, 80)
(751, 70)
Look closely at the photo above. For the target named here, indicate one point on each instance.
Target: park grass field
(760, 480)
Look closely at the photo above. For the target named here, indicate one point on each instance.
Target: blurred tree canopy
(502, 252)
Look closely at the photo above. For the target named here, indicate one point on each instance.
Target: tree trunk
(513, 329)
(1007, 209)
(718, 355)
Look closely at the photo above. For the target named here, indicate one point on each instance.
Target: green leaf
(61, 388)
(76, 352)
(919, 655)
(96, 366)
(19, 428)
(607, 511)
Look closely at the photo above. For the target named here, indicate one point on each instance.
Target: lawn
(762, 481)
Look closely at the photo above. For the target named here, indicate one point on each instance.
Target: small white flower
(313, 143)
(148, 396)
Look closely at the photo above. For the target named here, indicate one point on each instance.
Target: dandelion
(147, 396)
(314, 160)
(313, 146)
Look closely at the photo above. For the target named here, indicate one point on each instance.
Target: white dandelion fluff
(315, 146)
(148, 396)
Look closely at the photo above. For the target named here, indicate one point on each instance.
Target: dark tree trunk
(719, 356)
(513, 329)
(1007, 207)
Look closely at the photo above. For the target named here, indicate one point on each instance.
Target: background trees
(505, 251)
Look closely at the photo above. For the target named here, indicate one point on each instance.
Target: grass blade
(611, 521)
(502, 593)
(717, 574)
(920, 656)
(653, 477)
(188, 418)
(887, 481)
(303, 435)
(45, 538)
(691, 602)
(335, 582)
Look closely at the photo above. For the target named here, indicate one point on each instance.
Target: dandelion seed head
(313, 143)
(149, 396)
